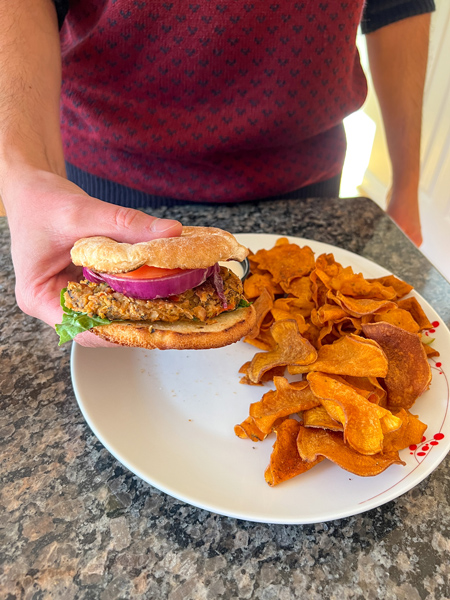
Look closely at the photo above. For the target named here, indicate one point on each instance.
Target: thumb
(129, 225)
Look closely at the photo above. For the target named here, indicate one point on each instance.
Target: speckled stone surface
(75, 524)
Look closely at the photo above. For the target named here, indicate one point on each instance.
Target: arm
(46, 213)
(30, 80)
(398, 55)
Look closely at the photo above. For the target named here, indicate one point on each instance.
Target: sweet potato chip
(262, 305)
(267, 376)
(286, 261)
(413, 307)
(350, 355)
(313, 443)
(282, 315)
(248, 429)
(430, 351)
(410, 432)
(328, 312)
(283, 386)
(319, 291)
(285, 461)
(264, 341)
(357, 307)
(312, 335)
(353, 284)
(282, 241)
(293, 305)
(390, 423)
(361, 385)
(328, 265)
(400, 318)
(315, 318)
(287, 400)
(349, 325)
(401, 287)
(338, 324)
(318, 417)
(255, 270)
(272, 374)
(409, 373)
(301, 288)
(291, 349)
(357, 340)
(361, 419)
(369, 387)
(324, 332)
(256, 283)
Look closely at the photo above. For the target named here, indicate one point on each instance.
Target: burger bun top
(196, 248)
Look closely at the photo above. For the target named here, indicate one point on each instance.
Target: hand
(403, 208)
(46, 215)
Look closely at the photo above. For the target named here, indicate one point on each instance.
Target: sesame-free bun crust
(226, 329)
(196, 248)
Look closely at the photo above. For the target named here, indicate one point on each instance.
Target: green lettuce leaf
(74, 323)
(243, 303)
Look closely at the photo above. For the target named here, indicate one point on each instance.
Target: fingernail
(164, 225)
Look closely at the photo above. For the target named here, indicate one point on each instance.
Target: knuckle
(125, 218)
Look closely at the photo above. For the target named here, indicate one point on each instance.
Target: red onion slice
(92, 276)
(149, 289)
(218, 284)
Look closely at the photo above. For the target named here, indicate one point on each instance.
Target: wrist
(406, 182)
(405, 187)
(21, 164)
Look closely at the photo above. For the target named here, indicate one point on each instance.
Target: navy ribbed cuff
(384, 12)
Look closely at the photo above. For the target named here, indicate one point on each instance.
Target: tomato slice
(146, 272)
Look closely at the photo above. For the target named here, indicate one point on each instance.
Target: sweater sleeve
(378, 13)
(62, 6)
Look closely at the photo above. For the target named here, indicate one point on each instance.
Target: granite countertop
(77, 524)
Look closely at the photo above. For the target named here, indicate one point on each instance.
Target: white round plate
(169, 417)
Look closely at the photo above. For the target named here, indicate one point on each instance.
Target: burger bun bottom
(227, 328)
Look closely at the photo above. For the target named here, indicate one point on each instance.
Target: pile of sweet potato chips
(352, 350)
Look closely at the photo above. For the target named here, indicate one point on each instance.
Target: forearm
(30, 82)
(398, 55)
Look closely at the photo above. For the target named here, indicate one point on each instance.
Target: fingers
(410, 227)
(415, 237)
(90, 340)
(127, 224)
(162, 227)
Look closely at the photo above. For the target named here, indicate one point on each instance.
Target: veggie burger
(168, 293)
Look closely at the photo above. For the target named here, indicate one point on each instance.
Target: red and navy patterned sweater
(210, 100)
